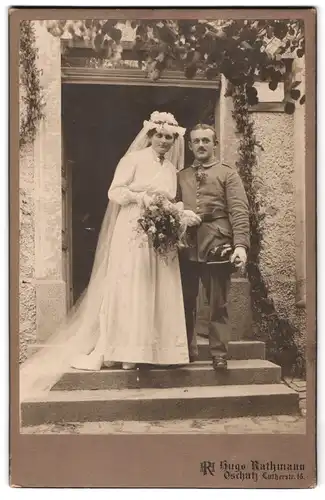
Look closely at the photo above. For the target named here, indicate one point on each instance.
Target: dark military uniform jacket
(221, 202)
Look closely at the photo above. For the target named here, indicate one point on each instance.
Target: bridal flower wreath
(163, 121)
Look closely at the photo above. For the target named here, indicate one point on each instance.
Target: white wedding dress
(141, 317)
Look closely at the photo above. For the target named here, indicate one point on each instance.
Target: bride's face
(161, 142)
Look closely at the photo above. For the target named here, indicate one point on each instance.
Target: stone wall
(50, 287)
(276, 181)
(279, 178)
(42, 291)
(27, 292)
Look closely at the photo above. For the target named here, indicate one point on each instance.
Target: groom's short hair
(204, 126)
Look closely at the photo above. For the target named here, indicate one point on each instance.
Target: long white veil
(79, 332)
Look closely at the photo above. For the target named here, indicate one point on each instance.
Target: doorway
(99, 123)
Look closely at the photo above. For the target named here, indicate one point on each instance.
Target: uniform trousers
(215, 279)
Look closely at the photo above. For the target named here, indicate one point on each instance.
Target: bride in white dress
(142, 314)
(132, 311)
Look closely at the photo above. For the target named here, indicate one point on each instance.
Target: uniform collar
(209, 164)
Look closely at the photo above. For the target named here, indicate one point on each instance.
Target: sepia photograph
(162, 226)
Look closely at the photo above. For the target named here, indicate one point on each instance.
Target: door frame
(112, 76)
(66, 230)
(133, 76)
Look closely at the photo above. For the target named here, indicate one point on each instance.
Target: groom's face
(202, 143)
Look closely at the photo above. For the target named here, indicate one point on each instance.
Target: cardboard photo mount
(100, 460)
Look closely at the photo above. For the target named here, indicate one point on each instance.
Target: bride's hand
(142, 198)
(147, 199)
(191, 218)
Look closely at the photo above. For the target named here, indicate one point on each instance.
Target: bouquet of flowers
(162, 222)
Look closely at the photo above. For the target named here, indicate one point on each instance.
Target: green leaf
(280, 31)
(289, 107)
(141, 31)
(166, 34)
(211, 73)
(251, 91)
(201, 29)
(98, 42)
(89, 23)
(190, 71)
(273, 85)
(252, 100)
(295, 84)
(108, 26)
(115, 34)
(295, 94)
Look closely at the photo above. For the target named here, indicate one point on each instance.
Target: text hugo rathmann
(245, 471)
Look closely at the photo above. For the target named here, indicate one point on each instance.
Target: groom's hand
(239, 257)
(191, 218)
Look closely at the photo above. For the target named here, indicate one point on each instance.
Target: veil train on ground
(79, 331)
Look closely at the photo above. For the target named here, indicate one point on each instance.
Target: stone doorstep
(242, 349)
(160, 404)
(240, 372)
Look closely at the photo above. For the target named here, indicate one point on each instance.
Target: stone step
(238, 349)
(240, 372)
(160, 404)
(242, 349)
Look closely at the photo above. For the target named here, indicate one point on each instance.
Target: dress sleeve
(119, 190)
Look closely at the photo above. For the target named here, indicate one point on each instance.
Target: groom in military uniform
(217, 245)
